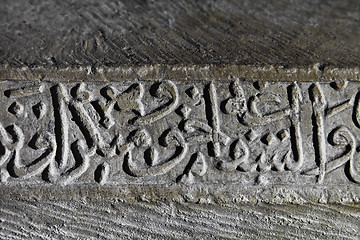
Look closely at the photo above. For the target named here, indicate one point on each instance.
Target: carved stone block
(179, 119)
(169, 132)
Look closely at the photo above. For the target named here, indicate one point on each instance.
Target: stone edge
(180, 72)
(199, 193)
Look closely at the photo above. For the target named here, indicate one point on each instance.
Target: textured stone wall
(141, 132)
(160, 120)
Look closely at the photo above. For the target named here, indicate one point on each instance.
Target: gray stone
(179, 120)
(285, 143)
(113, 33)
(158, 132)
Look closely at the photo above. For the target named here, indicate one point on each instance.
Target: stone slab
(233, 132)
(170, 220)
(212, 151)
(112, 33)
(179, 120)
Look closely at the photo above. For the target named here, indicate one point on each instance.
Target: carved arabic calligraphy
(167, 131)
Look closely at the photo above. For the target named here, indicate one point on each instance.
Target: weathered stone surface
(110, 33)
(169, 132)
(203, 145)
(182, 120)
(171, 220)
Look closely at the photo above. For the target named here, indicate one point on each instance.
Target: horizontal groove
(210, 193)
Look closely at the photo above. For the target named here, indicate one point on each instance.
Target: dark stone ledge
(113, 33)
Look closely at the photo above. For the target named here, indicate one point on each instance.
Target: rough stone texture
(164, 220)
(166, 132)
(179, 120)
(288, 33)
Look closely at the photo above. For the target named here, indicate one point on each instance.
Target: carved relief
(258, 111)
(141, 138)
(166, 89)
(210, 132)
(167, 131)
(340, 137)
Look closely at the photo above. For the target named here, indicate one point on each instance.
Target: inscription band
(143, 132)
